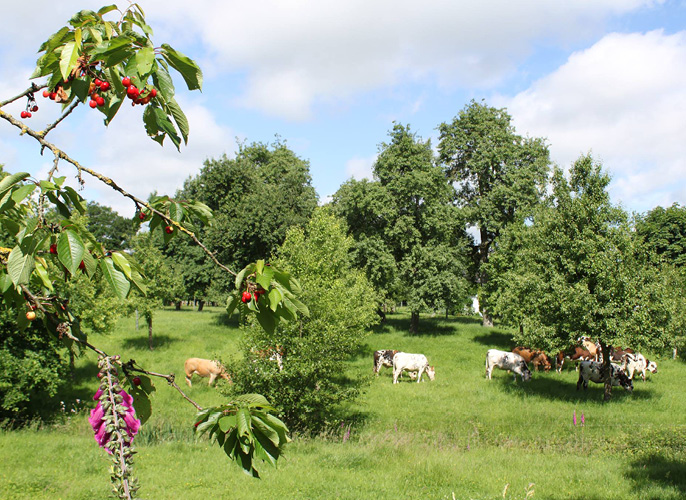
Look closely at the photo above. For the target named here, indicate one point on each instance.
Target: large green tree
(314, 381)
(256, 197)
(499, 177)
(575, 270)
(409, 235)
(108, 227)
(664, 231)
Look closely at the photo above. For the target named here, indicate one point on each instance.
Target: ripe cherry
(169, 229)
(126, 81)
(141, 215)
(105, 86)
(82, 265)
(30, 315)
(46, 93)
(93, 103)
(132, 91)
(136, 381)
(34, 109)
(97, 82)
(24, 114)
(53, 249)
(245, 298)
(53, 96)
(153, 93)
(100, 100)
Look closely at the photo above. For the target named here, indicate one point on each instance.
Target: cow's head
(543, 360)
(652, 366)
(431, 372)
(526, 373)
(620, 376)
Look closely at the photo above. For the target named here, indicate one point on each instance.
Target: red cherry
(46, 93)
(97, 82)
(53, 96)
(24, 114)
(100, 100)
(136, 381)
(53, 249)
(34, 109)
(82, 265)
(141, 215)
(93, 103)
(28, 114)
(132, 91)
(153, 93)
(126, 81)
(245, 298)
(105, 86)
(169, 229)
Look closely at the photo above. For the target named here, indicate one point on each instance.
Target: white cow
(204, 368)
(403, 361)
(507, 361)
(637, 363)
(592, 370)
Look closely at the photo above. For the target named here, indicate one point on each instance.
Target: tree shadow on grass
(158, 342)
(224, 319)
(496, 340)
(428, 327)
(656, 469)
(553, 388)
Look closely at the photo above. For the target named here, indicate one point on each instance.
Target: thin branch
(71, 108)
(170, 378)
(106, 180)
(31, 89)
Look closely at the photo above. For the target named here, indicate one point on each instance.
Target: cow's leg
(489, 370)
(212, 377)
(188, 380)
(419, 374)
(578, 383)
(396, 374)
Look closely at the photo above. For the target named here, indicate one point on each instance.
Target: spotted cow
(591, 370)
(507, 361)
(403, 361)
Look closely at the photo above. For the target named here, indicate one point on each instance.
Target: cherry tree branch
(30, 90)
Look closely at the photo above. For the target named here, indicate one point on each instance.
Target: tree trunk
(201, 304)
(381, 314)
(178, 305)
(150, 332)
(606, 370)
(487, 318)
(674, 354)
(414, 322)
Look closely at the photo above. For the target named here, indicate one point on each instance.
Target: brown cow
(575, 354)
(534, 356)
(592, 347)
(204, 368)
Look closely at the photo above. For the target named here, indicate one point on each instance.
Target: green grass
(460, 435)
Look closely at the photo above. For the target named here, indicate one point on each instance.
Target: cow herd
(587, 355)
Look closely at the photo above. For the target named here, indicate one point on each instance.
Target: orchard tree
(499, 177)
(575, 270)
(313, 383)
(663, 230)
(108, 227)
(100, 63)
(406, 218)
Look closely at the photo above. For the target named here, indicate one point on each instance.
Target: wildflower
(574, 418)
(99, 424)
(582, 418)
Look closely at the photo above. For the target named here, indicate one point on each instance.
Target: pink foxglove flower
(574, 418)
(583, 421)
(97, 419)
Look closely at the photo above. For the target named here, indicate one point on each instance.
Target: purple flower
(583, 421)
(574, 418)
(97, 419)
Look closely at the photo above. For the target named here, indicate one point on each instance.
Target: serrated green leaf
(190, 71)
(144, 59)
(54, 40)
(176, 212)
(232, 302)
(70, 250)
(90, 264)
(179, 118)
(241, 275)
(251, 399)
(20, 266)
(266, 319)
(227, 422)
(275, 297)
(68, 57)
(163, 82)
(116, 279)
(11, 180)
(80, 89)
(230, 444)
(122, 264)
(75, 199)
(108, 8)
(22, 192)
(265, 429)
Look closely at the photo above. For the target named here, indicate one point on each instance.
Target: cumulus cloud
(623, 99)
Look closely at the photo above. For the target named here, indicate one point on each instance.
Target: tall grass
(460, 436)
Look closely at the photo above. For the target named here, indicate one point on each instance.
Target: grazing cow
(618, 355)
(383, 357)
(575, 354)
(507, 361)
(270, 353)
(204, 368)
(403, 361)
(590, 370)
(534, 356)
(592, 347)
(637, 363)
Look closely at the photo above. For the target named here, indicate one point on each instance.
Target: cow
(270, 353)
(618, 354)
(204, 368)
(592, 347)
(403, 361)
(534, 356)
(507, 361)
(384, 357)
(637, 363)
(591, 370)
(574, 353)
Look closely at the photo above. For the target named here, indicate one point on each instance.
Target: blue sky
(600, 76)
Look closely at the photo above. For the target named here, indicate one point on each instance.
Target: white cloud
(624, 99)
(360, 168)
(300, 52)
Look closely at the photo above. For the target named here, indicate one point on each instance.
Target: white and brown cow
(591, 370)
(204, 368)
(403, 361)
(383, 357)
(507, 361)
(637, 363)
(575, 354)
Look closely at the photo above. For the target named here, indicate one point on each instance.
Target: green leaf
(68, 57)
(11, 180)
(70, 250)
(90, 263)
(141, 403)
(265, 429)
(54, 40)
(179, 118)
(275, 296)
(266, 319)
(115, 278)
(241, 275)
(176, 212)
(278, 426)
(76, 199)
(184, 65)
(22, 192)
(80, 89)
(232, 302)
(112, 46)
(104, 10)
(20, 266)
(166, 126)
(43, 275)
(122, 264)
(265, 449)
(264, 277)
(251, 400)
(230, 444)
(163, 81)
(227, 422)
(144, 60)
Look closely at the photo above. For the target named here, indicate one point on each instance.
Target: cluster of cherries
(97, 99)
(142, 215)
(136, 94)
(30, 107)
(247, 296)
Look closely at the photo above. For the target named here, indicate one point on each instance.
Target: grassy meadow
(460, 436)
